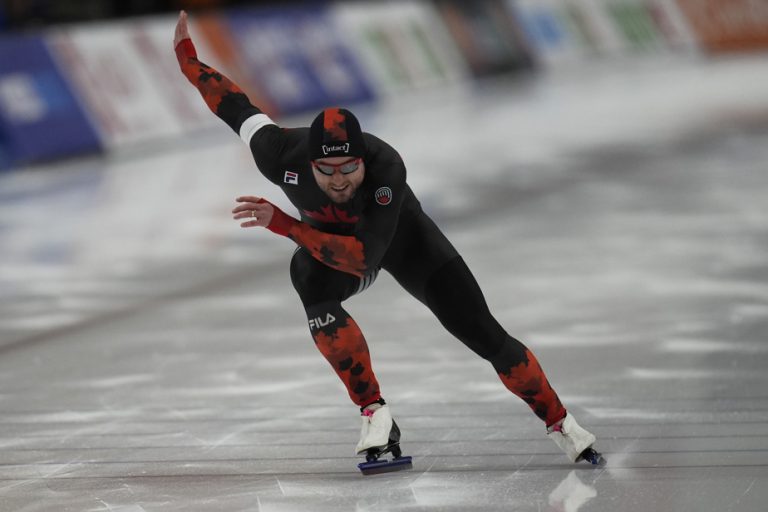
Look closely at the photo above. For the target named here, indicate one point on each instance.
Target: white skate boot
(575, 441)
(377, 425)
(379, 434)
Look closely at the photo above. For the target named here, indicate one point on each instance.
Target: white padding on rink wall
(253, 124)
(109, 63)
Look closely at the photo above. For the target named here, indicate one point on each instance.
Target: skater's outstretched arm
(223, 97)
(231, 105)
(356, 254)
(340, 252)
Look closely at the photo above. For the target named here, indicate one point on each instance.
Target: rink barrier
(554, 37)
(736, 25)
(564, 32)
(115, 86)
(40, 116)
(402, 46)
(295, 55)
(126, 77)
(487, 35)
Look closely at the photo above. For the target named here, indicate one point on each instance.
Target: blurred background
(600, 164)
(86, 77)
(100, 134)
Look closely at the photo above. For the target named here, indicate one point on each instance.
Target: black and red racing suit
(342, 246)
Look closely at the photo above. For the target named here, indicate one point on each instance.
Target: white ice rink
(154, 356)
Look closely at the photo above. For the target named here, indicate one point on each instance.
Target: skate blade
(593, 457)
(385, 466)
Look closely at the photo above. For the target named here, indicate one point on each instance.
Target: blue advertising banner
(295, 55)
(39, 116)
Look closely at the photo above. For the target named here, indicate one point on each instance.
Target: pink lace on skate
(557, 427)
(368, 412)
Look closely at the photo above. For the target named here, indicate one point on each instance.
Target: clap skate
(380, 435)
(575, 441)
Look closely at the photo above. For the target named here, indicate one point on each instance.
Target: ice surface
(154, 357)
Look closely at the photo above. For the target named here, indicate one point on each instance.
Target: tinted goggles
(347, 167)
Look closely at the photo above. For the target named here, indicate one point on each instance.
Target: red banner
(728, 25)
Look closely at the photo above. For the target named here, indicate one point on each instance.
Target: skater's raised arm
(223, 97)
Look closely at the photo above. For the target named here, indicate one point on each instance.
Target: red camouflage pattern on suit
(213, 86)
(527, 381)
(331, 214)
(346, 350)
(341, 252)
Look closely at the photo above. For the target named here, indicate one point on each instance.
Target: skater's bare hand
(182, 30)
(258, 211)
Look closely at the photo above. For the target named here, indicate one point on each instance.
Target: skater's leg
(427, 265)
(456, 299)
(453, 294)
(341, 342)
(336, 335)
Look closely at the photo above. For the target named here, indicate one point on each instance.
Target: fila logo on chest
(292, 178)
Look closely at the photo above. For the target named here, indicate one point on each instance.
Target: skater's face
(346, 175)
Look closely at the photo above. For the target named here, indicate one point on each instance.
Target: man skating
(358, 215)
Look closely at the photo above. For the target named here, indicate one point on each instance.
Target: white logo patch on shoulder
(291, 178)
(383, 196)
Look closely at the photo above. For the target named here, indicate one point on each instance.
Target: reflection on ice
(571, 494)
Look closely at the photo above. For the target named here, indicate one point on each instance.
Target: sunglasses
(347, 167)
